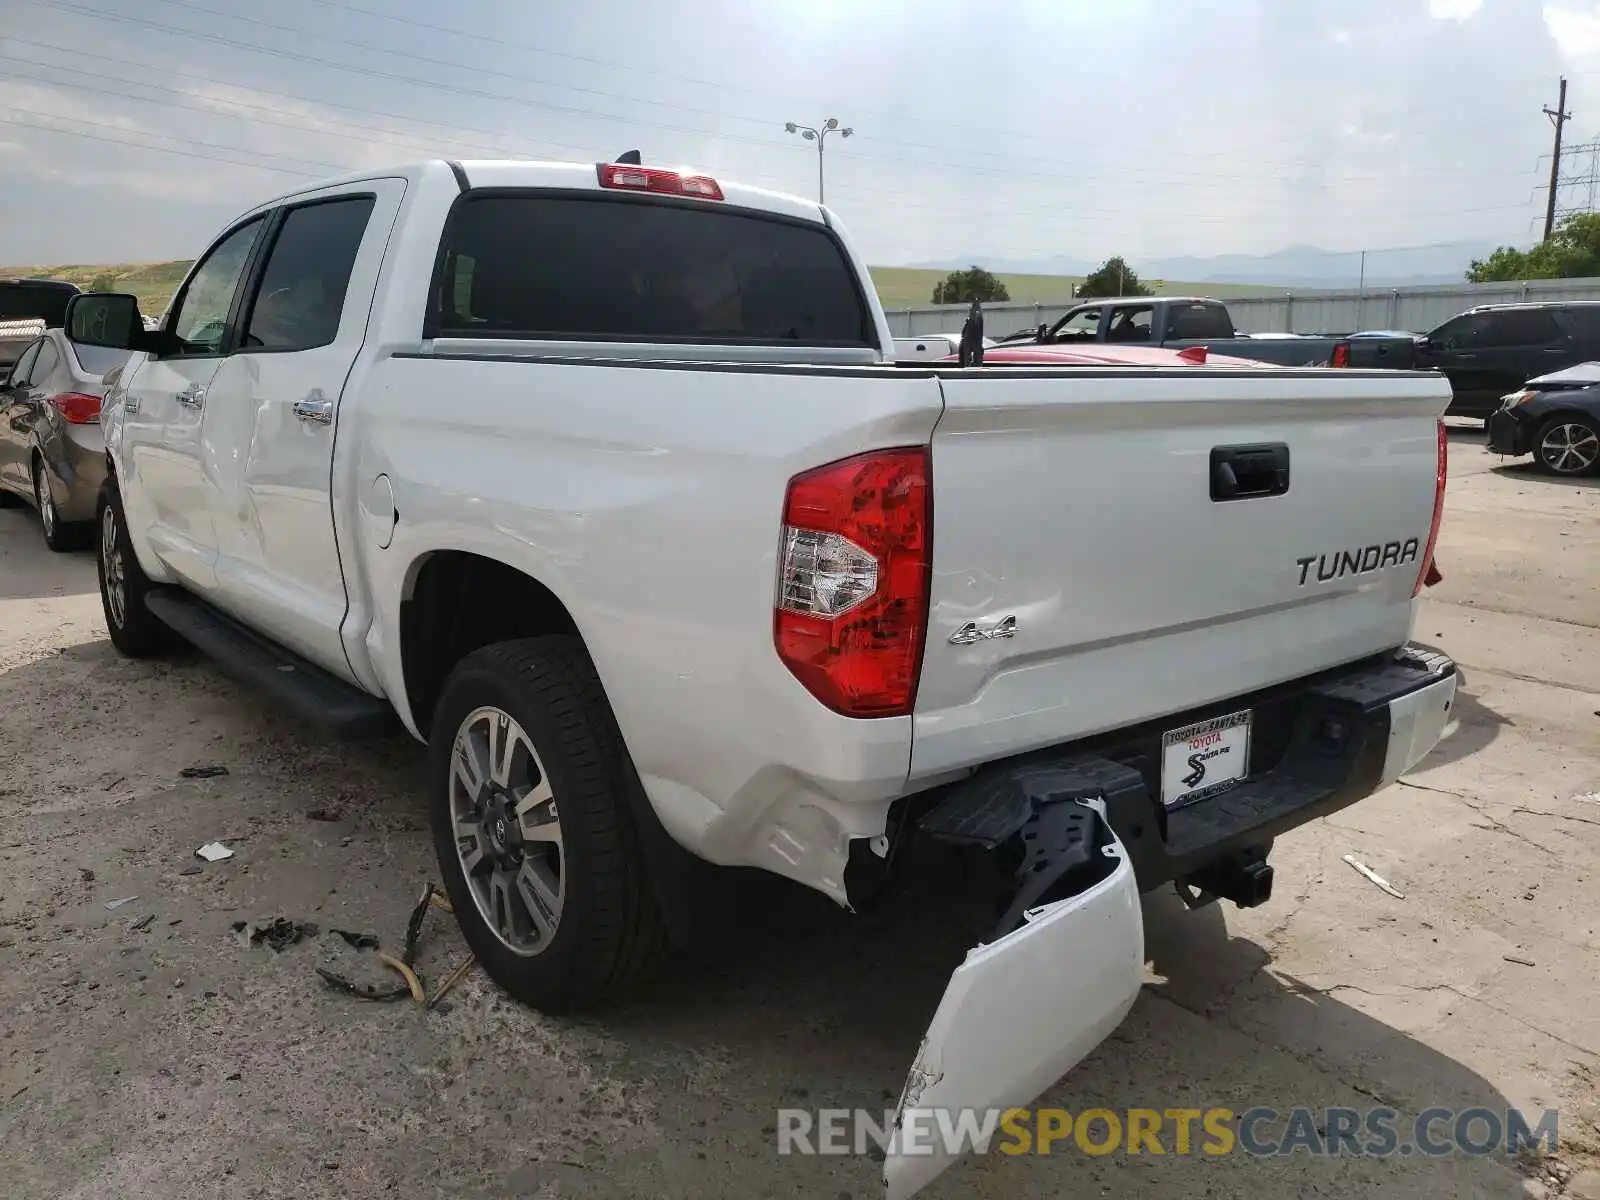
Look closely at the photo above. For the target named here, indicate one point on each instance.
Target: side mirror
(1041, 333)
(106, 319)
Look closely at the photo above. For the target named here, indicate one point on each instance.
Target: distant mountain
(1293, 266)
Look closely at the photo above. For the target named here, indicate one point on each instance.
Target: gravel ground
(145, 1052)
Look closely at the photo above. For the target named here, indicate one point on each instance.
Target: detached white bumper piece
(1022, 1011)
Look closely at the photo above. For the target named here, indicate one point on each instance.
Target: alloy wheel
(1570, 448)
(47, 506)
(507, 830)
(111, 567)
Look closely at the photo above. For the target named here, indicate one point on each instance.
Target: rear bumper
(1508, 433)
(1318, 745)
(76, 458)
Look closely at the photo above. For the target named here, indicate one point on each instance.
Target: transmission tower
(1579, 188)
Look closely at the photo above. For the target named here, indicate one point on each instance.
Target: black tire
(1568, 444)
(58, 535)
(134, 628)
(609, 930)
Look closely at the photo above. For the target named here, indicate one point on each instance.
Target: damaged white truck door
(1020, 1013)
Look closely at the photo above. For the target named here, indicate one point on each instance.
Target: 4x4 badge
(973, 632)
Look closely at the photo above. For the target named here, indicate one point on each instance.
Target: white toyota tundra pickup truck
(604, 481)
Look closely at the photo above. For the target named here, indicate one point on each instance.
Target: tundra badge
(1358, 560)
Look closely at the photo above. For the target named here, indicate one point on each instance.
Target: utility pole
(1558, 118)
(819, 136)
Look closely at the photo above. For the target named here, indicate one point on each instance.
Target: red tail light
(852, 607)
(649, 179)
(1341, 355)
(1426, 574)
(1194, 354)
(77, 408)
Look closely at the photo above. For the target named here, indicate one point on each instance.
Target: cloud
(1453, 10)
(1576, 30)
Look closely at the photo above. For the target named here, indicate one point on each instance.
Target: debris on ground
(405, 965)
(85, 874)
(1521, 962)
(142, 923)
(1377, 879)
(206, 771)
(113, 905)
(214, 852)
(364, 991)
(191, 870)
(278, 933)
(324, 814)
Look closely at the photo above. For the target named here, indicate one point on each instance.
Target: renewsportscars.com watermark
(1259, 1132)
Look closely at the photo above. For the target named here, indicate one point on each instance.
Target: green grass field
(898, 287)
(153, 283)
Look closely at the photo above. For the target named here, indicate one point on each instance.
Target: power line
(1076, 176)
(161, 149)
(722, 86)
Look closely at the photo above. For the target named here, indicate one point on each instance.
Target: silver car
(51, 451)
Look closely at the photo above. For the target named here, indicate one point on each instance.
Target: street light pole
(820, 137)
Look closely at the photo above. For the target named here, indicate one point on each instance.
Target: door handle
(315, 409)
(1240, 472)
(193, 396)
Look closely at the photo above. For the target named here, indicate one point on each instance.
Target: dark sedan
(1555, 418)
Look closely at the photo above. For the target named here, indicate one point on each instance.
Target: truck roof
(518, 173)
(1084, 300)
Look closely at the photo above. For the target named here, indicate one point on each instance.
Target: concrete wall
(1418, 308)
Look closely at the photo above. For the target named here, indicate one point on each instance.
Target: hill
(153, 283)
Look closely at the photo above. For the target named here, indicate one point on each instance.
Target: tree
(1114, 278)
(963, 287)
(103, 282)
(1573, 252)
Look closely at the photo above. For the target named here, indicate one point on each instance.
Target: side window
(1460, 333)
(301, 297)
(1521, 327)
(199, 318)
(1080, 326)
(19, 370)
(49, 359)
(1130, 323)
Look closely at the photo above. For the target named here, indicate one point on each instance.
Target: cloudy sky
(131, 129)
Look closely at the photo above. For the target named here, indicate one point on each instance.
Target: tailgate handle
(1240, 472)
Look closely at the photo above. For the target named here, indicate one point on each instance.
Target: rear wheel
(532, 796)
(1568, 444)
(58, 535)
(134, 628)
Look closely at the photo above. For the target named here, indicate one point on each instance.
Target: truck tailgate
(1090, 571)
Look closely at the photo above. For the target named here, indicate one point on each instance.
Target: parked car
(51, 451)
(1110, 356)
(604, 480)
(1489, 351)
(27, 308)
(1555, 418)
(1175, 322)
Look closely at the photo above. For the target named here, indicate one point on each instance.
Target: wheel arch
(453, 602)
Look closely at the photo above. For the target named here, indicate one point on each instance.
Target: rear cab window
(23, 300)
(1198, 320)
(583, 267)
